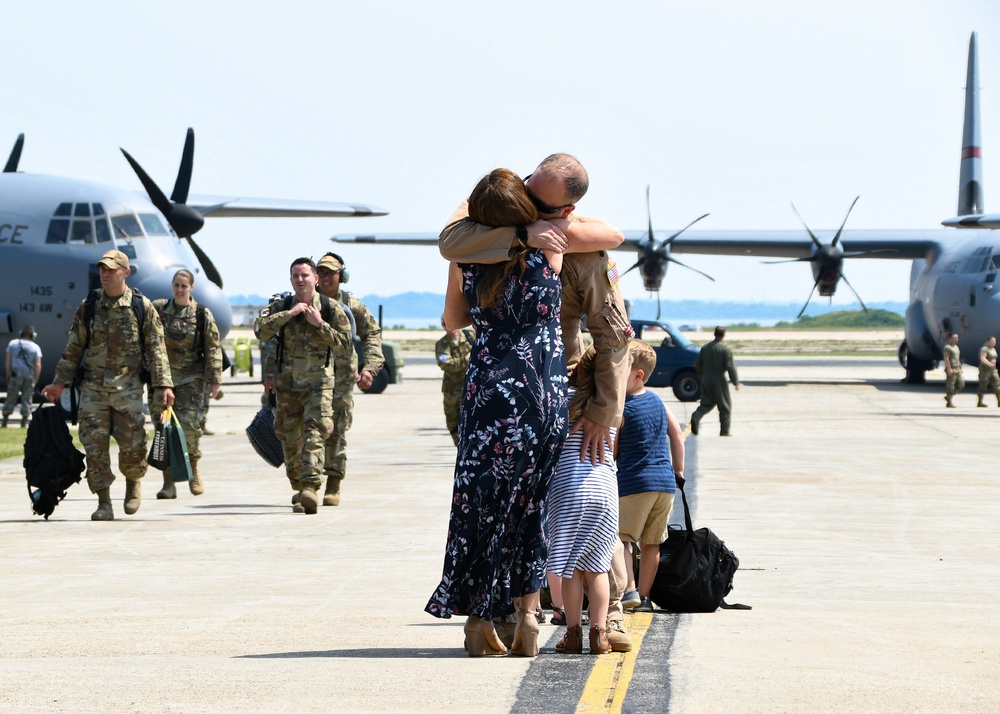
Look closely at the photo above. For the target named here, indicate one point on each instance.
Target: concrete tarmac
(864, 514)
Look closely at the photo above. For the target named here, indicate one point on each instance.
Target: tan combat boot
(104, 510)
(980, 402)
(332, 495)
(133, 496)
(308, 499)
(195, 484)
(169, 490)
(618, 638)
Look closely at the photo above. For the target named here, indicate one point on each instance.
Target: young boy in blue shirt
(647, 468)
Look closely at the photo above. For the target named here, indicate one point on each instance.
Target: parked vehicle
(675, 358)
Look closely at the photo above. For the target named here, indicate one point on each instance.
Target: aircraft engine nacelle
(827, 263)
(653, 272)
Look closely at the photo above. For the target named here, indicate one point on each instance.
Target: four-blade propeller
(827, 261)
(653, 257)
(185, 220)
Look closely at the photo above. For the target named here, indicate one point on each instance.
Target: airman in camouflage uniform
(331, 274)
(196, 369)
(954, 380)
(453, 352)
(304, 377)
(111, 392)
(989, 379)
(714, 362)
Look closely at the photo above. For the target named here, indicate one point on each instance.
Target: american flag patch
(612, 270)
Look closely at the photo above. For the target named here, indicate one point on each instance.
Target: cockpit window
(153, 225)
(126, 226)
(71, 223)
(103, 230)
(83, 231)
(58, 231)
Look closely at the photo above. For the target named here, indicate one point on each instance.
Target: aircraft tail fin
(970, 183)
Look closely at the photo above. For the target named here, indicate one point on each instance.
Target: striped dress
(582, 512)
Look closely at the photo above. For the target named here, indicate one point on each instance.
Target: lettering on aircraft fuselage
(35, 307)
(12, 234)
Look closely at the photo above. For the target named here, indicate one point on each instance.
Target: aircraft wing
(387, 238)
(239, 207)
(896, 244)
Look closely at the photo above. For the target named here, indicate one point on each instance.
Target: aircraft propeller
(828, 262)
(653, 257)
(185, 220)
(15, 155)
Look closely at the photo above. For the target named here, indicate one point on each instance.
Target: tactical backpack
(51, 463)
(199, 333)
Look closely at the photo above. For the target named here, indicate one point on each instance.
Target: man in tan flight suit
(955, 380)
(589, 281)
(989, 380)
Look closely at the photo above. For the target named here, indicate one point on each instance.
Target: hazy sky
(733, 108)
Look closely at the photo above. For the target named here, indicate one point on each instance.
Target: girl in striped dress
(582, 528)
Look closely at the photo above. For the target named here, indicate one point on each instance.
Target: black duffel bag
(262, 437)
(696, 568)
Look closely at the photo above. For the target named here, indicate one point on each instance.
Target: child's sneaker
(644, 606)
(631, 599)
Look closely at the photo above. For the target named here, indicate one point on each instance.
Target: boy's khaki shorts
(644, 517)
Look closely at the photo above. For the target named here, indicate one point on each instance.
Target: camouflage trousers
(989, 381)
(715, 393)
(452, 407)
(20, 389)
(303, 421)
(954, 382)
(335, 456)
(191, 409)
(118, 414)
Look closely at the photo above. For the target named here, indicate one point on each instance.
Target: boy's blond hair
(643, 357)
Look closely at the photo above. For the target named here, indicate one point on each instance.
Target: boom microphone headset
(345, 275)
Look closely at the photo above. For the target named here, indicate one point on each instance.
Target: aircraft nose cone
(158, 285)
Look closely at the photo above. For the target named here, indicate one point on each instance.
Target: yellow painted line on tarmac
(608, 682)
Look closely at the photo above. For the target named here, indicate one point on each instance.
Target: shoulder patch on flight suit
(611, 269)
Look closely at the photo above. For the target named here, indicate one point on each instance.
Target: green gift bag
(177, 450)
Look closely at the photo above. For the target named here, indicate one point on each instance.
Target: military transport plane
(53, 230)
(953, 279)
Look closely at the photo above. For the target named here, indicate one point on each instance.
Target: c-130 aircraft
(952, 279)
(53, 230)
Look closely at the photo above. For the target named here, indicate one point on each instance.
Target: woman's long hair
(500, 199)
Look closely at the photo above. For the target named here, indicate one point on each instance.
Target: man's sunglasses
(543, 208)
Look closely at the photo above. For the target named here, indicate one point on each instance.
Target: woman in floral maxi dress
(512, 425)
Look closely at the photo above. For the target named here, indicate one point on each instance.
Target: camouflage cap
(113, 259)
(329, 263)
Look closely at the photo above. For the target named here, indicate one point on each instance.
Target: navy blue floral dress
(512, 425)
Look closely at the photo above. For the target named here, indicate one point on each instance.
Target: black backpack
(199, 334)
(51, 463)
(696, 569)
